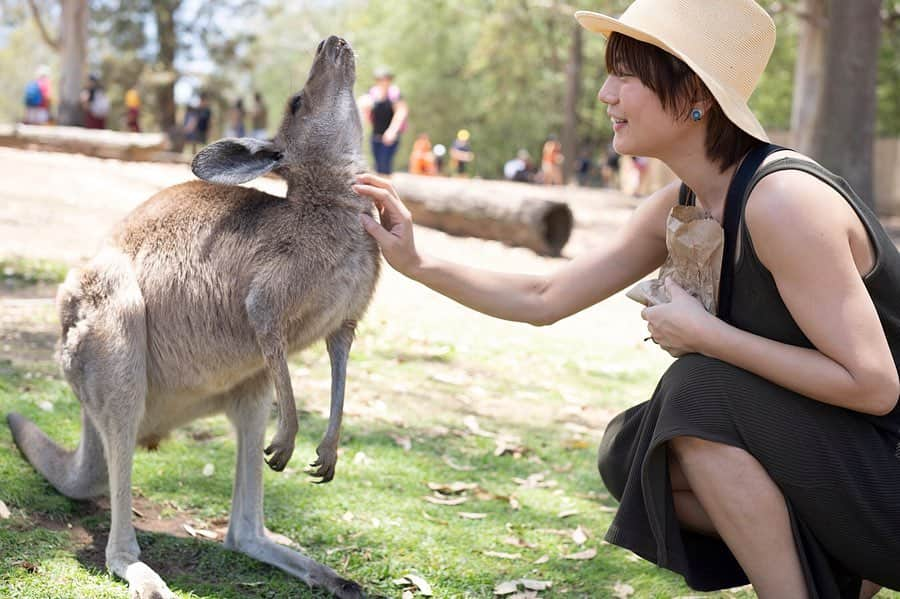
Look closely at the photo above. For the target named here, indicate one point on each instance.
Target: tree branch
(53, 43)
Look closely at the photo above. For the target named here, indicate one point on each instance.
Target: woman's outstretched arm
(636, 250)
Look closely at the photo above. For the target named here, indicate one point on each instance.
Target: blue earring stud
(696, 114)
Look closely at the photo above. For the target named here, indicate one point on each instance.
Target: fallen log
(92, 142)
(517, 214)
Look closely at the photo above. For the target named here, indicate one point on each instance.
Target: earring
(696, 114)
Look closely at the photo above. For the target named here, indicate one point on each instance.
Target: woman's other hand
(681, 326)
(395, 233)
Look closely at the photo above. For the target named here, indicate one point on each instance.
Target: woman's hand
(395, 233)
(683, 325)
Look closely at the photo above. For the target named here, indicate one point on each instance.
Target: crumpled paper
(695, 242)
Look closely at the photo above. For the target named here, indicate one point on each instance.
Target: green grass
(371, 523)
(19, 271)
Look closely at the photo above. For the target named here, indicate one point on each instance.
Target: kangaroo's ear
(235, 160)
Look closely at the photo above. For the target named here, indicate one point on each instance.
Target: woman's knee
(694, 452)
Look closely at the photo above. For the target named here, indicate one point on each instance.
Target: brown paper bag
(695, 242)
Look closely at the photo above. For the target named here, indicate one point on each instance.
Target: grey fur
(193, 305)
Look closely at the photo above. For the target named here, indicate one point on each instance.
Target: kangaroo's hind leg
(246, 531)
(103, 353)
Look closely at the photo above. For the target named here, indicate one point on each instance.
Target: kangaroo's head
(321, 125)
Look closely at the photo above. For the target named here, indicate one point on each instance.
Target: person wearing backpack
(95, 104)
(37, 98)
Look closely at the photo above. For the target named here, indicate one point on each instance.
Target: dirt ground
(59, 207)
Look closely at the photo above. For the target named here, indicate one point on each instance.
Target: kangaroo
(193, 304)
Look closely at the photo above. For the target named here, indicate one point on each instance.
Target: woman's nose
(607, 93)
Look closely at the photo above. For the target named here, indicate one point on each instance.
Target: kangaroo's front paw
(325, 463)
(280, 451)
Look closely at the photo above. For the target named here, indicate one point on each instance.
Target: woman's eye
(296, 102)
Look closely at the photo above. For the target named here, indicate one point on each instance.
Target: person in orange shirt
(421, 160)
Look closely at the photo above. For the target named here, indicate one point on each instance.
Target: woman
(767, 452)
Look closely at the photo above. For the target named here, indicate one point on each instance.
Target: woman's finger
(385, 184)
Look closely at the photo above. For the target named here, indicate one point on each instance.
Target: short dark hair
(678, 88)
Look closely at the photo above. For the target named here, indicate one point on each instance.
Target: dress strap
(686, 197)
(734, 207)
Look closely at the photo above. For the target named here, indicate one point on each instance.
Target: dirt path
(60, 206)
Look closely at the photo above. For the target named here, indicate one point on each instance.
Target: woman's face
(641, 126)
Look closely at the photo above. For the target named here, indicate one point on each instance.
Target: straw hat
(727, 43)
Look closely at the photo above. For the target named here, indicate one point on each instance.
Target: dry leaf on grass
(26, 565)
(542, 560)
(4, 511)
(407, 595)
(512, 586)
(566, 513)
(449, 461)
(209, 470)
(452, 488)
(509, 446)
(577, 443)
(361, 459)
(197, 532)
(502, 555)
(417, 581)
(622, 590)
(471, 423)
(586, 554)
(472, 515)
(404, 442)
(535, 481)
(433, 519)
(518, 542)
(445, 501)
(579, 535)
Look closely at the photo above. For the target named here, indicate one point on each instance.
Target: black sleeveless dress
(839, 470)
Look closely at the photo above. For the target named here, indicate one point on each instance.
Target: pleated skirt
(838, 472)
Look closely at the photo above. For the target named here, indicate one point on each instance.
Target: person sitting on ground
(770, 449)
(519, 168)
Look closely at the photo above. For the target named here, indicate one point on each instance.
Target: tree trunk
(73, 59)
(513, 213)
(573, 91)
(844, 126)
(164, 11)
(808, 74)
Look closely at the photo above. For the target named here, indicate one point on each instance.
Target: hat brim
(734, 106)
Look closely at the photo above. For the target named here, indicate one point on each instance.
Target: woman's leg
(747, 511)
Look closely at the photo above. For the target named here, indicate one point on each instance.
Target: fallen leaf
(577, 444)
(517, 542)
(471, 423)
(542, 560)
(347, 517)
(404, 442)
(452, 488)
(4, 511)
(361, 459)
(208, 534)
(579, 536)
(472, 515)
(442, 501)
(536, 585)
(514, 503)
(449, 461)
(566, 513)
(134, 511)
(607, 509)
(502, 555)
(407, 595)
(433, 519)
(208, 470)
(586, 554)
(190, 529)
(26, 565)
(622, 590)
(420, 583)
(46, 406)
(506, 588)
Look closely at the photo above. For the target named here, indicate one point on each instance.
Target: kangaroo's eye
(296, 102)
